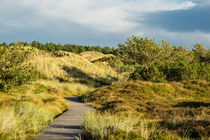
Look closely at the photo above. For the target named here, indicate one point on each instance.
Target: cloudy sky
(105, 22)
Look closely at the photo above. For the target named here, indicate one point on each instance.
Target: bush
(163, 62)
(14, 70)
(140, 51)
(181, 70)
(148, 74)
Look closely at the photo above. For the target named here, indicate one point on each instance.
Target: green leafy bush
(163, 62)
(181, 70)
(13, 68)
(152, 73)
(140, 51)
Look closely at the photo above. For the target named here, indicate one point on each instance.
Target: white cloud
(103, 15)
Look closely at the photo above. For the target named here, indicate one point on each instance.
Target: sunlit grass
(25, 110)
(23, 120)
(109, 126)
(72, 68)
(69, 88)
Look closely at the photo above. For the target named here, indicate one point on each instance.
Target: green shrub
(163, 62)
(148, 74)
(181, 70)
(13, 68)
(142, 51)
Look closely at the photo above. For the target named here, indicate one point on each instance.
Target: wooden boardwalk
(68, 125)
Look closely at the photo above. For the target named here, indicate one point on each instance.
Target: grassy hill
(175, 110)
(27, 107)
(74, 72)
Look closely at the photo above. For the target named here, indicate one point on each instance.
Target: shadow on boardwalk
(73, 99)
(68, 125)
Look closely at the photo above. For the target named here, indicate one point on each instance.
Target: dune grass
(73, 68)
(181, 110)
(22, 120)
(27, 109)
(108, 126)
(73, 73)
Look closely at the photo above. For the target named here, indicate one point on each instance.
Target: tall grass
(26, 109)
(52, 66)
(108, 126)
(72, 72)
(23, 120)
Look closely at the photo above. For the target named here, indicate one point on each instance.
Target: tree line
(53, 47)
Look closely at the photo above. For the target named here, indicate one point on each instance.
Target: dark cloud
(195, 19)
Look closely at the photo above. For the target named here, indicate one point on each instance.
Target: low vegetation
(179, 109)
